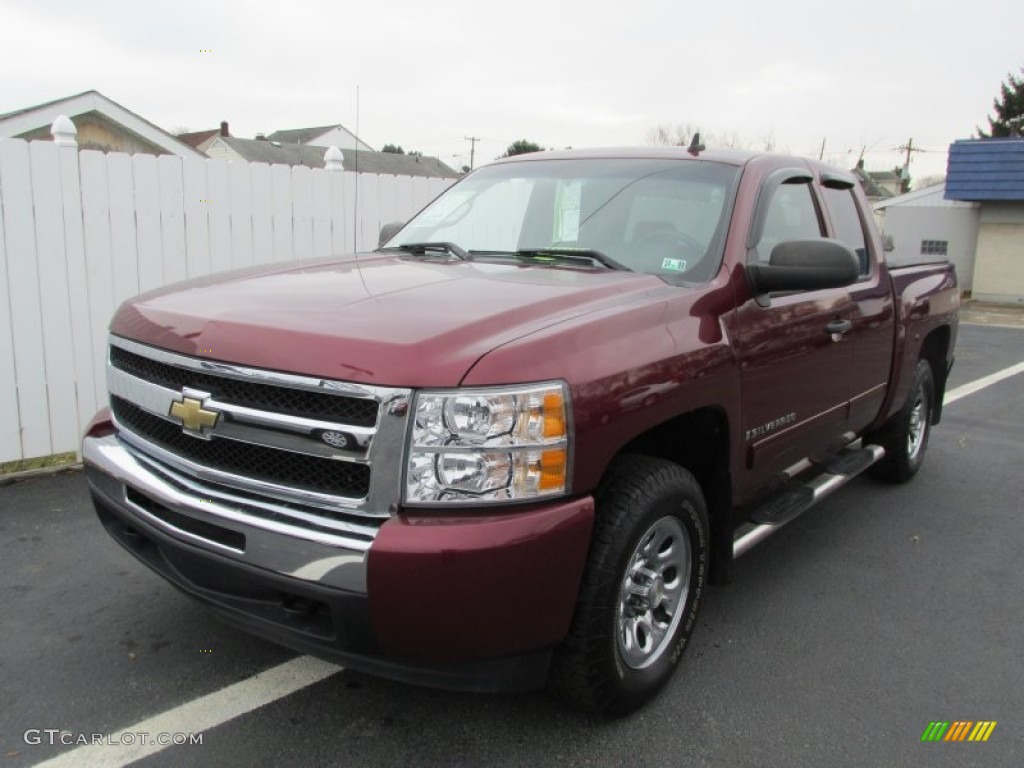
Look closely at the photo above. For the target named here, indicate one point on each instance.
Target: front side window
(791, 215)
(660, 216)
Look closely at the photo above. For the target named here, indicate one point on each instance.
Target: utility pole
(821, 154)
(908, 148)
(472, 149)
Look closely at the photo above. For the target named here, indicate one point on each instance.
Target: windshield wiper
(420, 249)
(577, 255)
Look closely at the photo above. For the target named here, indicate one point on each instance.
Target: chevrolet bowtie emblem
(193, 417)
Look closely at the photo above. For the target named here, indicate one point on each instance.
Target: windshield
(663, 217)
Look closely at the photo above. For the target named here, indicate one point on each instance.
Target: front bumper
(458, 600)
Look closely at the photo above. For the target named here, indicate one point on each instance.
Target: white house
(101, 124)
(323, 136)
(925, 226)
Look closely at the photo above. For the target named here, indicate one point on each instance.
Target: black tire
(602, 666)
(905, 435)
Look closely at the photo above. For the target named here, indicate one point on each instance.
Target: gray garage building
(925, 226)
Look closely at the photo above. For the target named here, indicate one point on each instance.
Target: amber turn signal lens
(554, 415)
(552, 470)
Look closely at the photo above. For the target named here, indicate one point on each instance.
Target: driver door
(793, 371)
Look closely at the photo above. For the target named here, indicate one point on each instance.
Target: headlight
(506, 444)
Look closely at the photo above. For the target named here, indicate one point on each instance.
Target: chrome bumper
(318, 556)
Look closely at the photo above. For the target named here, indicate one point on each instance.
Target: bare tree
(929, 181)
(680, 134)
(730, 140)
(666, 135)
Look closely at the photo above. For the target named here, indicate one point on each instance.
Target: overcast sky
(860, 75)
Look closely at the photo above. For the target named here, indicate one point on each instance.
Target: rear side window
(792, 215)
(849, 227)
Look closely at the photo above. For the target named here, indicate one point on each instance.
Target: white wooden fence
(81, 231)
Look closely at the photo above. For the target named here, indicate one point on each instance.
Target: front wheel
(905, 435)
(641, 590)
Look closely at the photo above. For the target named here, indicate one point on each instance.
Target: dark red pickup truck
(516, 442)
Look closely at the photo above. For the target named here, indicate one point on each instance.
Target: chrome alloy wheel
(917, 425)
(653, 593)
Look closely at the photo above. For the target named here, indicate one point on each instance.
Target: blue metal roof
(985, 169)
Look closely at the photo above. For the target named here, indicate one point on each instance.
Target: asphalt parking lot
(841, 638)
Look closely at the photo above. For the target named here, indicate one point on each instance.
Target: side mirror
(888, 243)
(805, 265)
(388, 231)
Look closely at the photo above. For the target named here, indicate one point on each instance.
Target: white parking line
(198, 715)
(985, 381)
(219, 707)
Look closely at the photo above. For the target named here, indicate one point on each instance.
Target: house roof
(259, 151)
(303, 135)
(931, 197)
(399, 165)
(28, 119)
(986, 169)
(195, 138)
(871, 187)
(885, 176)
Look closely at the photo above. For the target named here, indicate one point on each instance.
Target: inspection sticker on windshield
(676, 265)
(567, 212)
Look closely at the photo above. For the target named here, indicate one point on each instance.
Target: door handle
(838, 327)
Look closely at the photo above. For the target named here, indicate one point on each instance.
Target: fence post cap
(63, 130)
(334, 160)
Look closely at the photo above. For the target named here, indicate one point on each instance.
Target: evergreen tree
(521, 147)
(1009, 109)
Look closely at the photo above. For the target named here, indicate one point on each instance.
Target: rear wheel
(905, 435)
(642, 587)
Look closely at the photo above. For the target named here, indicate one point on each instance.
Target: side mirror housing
(888, 243)
(805, 265)
(388, 231)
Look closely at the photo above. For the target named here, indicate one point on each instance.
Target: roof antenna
(695, 147)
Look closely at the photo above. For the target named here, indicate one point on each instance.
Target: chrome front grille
(327, 523)
(313, 473)
(359, 412)
(313, 454)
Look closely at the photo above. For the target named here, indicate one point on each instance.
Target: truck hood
(386, 320)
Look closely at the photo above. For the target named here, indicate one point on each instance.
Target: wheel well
(699, 442)
(935, 349)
